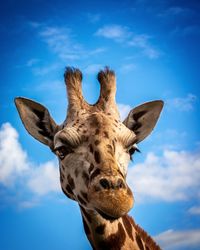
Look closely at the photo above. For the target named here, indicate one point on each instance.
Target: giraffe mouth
(106, 216)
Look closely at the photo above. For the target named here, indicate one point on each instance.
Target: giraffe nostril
(104, 183)
(120, 184)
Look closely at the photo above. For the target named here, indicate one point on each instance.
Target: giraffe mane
(149, 242)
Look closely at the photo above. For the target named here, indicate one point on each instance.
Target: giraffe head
(93, 146)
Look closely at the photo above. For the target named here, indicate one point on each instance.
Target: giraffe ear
(142, 119)
(36, 120)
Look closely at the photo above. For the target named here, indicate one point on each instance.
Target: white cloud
(55, 86)
(13, 159)
(35, 24)
(169, 139)
(17, 171)
(44, 179)
(93, 18)
(186, 239)
(195, 210)
(186, 31)
(191, 30)
(123, 110)
(182, 103)
(126, 68)
(96, 51)
(116, 32)
(62, 42)
(44, 70)
(123, 35)
(28, 204)
(173, 176)
(32, 62)
(142, 41)
(175, 11)
(93, 68)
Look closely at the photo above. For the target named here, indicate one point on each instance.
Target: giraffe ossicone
(94, 148)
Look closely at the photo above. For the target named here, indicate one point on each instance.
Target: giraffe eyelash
(62, 151)
(132, 151)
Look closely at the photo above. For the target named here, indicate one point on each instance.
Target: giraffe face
(94, 151)
(93, 146)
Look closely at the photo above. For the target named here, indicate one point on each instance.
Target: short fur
(94, 147)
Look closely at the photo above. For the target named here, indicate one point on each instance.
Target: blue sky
(153, 46)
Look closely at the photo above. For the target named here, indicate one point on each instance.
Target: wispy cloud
(175, 11)
(28, 204)
(172, 239)
(54, 86)
(126, 68)
(32, 62)
(142, 42)
(122, 34)
(44, 70)
(93, 68)
(63, 42)
(29, 63)
(186, 31)
(169, 177)
(17, 171)
(93, 18)
(123, 110)
(182, 103)
(116, 32)
(60, 41)
(195, 210)
(169, 139)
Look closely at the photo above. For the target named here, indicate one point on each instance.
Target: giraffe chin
(105, 216)
(112, 205)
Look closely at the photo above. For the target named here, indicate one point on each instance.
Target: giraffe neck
(122, 233)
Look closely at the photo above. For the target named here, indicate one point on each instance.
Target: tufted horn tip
(72, 73)
(106, 75)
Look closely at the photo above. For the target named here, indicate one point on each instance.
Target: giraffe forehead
(104, 127)
(94, 124)
(100, 122)
(98, 127)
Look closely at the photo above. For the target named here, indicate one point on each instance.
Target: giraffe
(94, 148)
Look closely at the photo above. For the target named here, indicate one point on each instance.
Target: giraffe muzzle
(110, 196)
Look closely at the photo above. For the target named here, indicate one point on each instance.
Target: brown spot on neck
(114, 241)
(91, 148)
(84, 195)
(81, 200)
(100, 229)
(85, 178)
(97, 157)
(71, 182)
(139, 242)
(128, 226)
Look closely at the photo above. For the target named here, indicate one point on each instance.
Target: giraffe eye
(62, 151)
